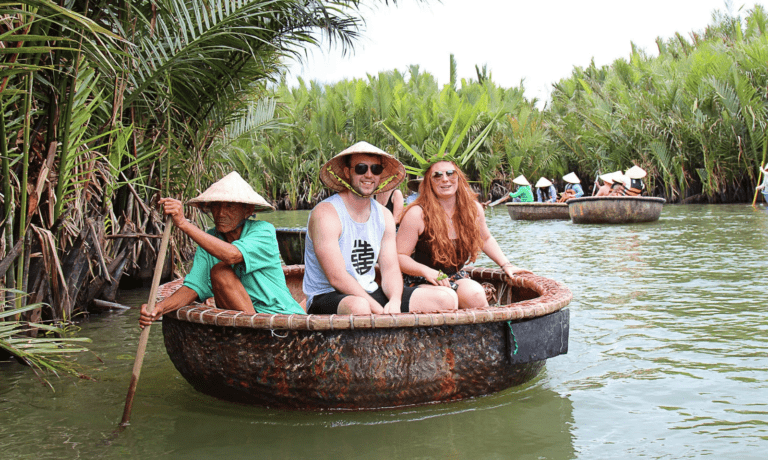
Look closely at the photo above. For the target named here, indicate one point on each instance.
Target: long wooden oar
(497, 201)
(145, 332)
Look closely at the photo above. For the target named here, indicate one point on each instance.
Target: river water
(668, 358)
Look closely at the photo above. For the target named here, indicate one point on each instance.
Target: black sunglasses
(362, 168)
(439, 174)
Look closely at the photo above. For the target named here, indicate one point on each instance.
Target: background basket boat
(538, 211)
(291, 244)
(344, 362)
(615, 209)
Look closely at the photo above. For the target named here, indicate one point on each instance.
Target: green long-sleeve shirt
(525, 194)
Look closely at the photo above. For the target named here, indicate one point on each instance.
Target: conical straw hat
(635, 172)
(413, 184)
(619, 177)
(520, 180)
(543, 182)
(572, 178)
(608, 178)
(335, 167)
(231, 189)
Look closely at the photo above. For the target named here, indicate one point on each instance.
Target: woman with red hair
(442, 230)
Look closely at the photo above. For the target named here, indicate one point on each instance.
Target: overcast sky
(536, 41)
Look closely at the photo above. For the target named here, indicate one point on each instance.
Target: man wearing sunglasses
(349, 233)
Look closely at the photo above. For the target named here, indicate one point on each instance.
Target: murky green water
(668, 359)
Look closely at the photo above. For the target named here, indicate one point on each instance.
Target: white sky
(536, 40)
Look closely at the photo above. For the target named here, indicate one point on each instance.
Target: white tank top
(360, 244)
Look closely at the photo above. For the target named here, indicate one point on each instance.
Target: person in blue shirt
(572, 187)
(237, 262)
(550, 196)
(413, 187)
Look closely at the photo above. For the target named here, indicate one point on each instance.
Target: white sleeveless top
(360, 244)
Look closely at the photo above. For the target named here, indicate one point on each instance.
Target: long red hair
(468, 240)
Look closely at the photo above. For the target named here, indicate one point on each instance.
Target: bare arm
(397, 201)
(220, 249)
(324, 228)
(491, 247)
(181, 298)
(411, 227)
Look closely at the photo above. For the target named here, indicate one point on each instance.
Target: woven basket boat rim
(553, 297)
(536, 203)
(654, 199)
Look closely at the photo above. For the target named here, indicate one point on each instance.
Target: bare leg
(354, 305)
(429, 298)
(471, 294)
(228, 291)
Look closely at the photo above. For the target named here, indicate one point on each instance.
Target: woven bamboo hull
(538, 211)
(291, 244)
(319, 362)
(615, 209)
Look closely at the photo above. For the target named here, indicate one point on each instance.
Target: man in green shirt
(523, 193)
(237, 263)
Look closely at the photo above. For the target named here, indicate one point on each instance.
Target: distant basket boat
(318, 362)
(290, 241)
(615, 209)
(538, 211)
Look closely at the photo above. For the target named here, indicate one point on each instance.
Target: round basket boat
(290, 241)
(538, 211)
(345, 362)
(615, 209)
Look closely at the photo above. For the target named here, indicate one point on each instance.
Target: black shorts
(328, 303)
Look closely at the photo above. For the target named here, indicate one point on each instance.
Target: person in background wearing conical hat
(572, 188)
(349, 232)
(550, 196)
(413, 187)
(634, 176)
(523, 193)
(237, 262)
(605, 189)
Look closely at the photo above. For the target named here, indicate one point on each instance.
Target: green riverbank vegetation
(694, 117)
(105, 106)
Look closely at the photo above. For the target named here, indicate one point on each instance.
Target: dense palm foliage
(322, 120)
(694, 117)
(104, 105)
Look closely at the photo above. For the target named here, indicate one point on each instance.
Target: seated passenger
(522, 195)
(392, 200)
(764, 186)
(636, 187)
(605, 189)
(237, 262)
(444, 229)
(618, 188)
(413, 187)
(549, 196)
(572, 188)
(349, 232)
